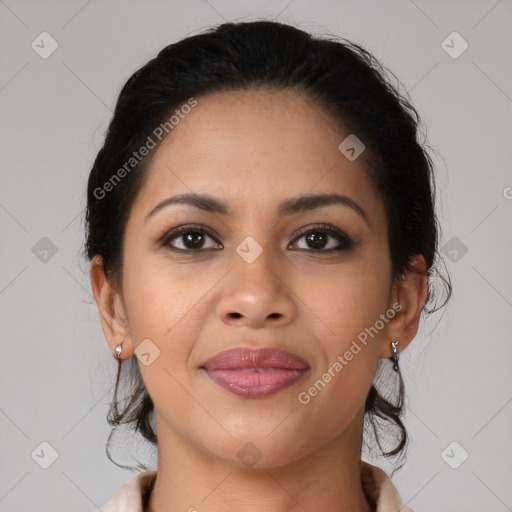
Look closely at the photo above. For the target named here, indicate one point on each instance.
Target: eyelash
(345, 242)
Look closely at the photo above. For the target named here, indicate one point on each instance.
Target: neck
(327, 479)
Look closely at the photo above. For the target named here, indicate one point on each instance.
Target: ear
(111, 310)
(410, 293)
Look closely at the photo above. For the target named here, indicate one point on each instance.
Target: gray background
(57, 374)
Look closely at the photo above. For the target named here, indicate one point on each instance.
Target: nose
(256, 295)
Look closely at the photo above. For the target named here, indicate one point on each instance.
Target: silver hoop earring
(394, 357)
(118, 351)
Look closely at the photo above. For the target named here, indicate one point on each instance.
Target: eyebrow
(288, 207)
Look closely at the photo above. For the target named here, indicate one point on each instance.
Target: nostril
(235, 315)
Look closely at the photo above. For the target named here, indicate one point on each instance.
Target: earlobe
(410, 293)
(113, 322)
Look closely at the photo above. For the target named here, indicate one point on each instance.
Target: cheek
(157, 296)
(345, 318)
(161, 307)
(345, 300)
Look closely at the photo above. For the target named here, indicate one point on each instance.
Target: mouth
(255, 373)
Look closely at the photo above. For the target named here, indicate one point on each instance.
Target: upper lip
(246, 357)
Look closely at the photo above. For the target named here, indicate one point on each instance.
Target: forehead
(256, 148)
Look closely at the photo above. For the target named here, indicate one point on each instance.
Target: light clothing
(376, 482)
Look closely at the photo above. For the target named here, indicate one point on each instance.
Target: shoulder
(380, 488)
(129, 498)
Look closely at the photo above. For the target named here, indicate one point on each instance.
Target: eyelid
(332, 231)
(169, 234)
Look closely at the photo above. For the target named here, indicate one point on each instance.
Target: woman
(262, 237)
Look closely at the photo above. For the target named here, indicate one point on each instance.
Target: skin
(252, 150)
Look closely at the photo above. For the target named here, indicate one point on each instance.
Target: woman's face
(253, 280)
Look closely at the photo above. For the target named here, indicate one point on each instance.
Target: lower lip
(255, 384)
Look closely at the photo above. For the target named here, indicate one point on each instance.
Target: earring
(118, 351)
(394, 357)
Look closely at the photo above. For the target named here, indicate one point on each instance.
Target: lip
(245, 357)
(255, 373)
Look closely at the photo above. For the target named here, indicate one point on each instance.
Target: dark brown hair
(333, 73)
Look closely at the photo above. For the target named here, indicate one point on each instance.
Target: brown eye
(317, 239)
(324, 238)
(193, 239)
(188, 238)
